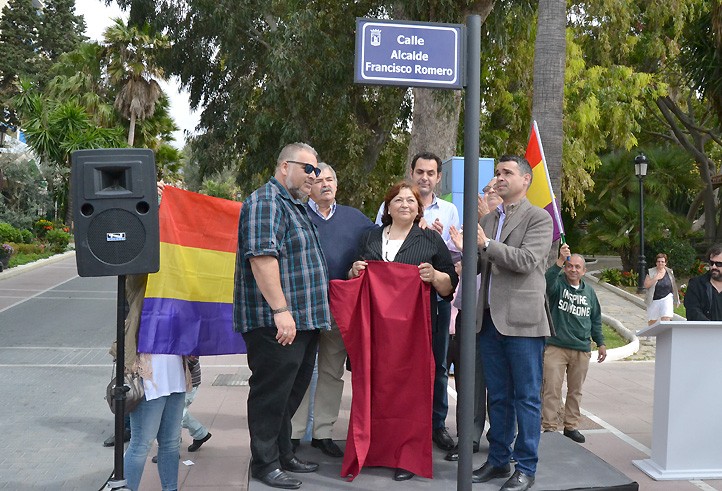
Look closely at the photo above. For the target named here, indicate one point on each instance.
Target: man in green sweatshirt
(577, 320)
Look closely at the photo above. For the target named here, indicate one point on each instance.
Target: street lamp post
(640, 170)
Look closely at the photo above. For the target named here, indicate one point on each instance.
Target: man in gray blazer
(514, 242)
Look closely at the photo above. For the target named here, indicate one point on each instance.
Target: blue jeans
(156, 419)
(440, 347)
(308, 435)
(189, 422)
(513, 368)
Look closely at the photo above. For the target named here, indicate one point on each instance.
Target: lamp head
(640, 165)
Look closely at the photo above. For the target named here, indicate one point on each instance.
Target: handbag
(135, 394)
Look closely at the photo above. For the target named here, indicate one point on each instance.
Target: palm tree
(549, 69)
(80, 75)
(132, 52)
(612, 209)
(54, 129)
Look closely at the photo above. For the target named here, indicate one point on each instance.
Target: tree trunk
(435, 121)
(694, 144)
(550, 54)
(550, 50)
(131, 129)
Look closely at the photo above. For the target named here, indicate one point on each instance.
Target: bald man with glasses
(280, 303)
(703, 299)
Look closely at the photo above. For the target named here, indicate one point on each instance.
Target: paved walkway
(617, 406)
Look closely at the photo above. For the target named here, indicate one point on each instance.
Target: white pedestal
(687, 417)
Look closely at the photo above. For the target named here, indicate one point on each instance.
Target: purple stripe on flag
(180, 327)
(557, 228)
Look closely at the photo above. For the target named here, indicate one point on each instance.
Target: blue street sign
(416, 54)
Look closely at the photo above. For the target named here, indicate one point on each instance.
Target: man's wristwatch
(486, 243)
(278, 311)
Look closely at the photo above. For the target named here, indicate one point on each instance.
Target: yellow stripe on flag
(539, 193)
(192, 274)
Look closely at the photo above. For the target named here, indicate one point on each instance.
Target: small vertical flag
(540, 192)
(188, 306)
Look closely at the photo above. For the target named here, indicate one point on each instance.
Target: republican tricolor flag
(540, 192)
(188, 305)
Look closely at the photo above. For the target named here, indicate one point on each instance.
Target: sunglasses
(715, 263)
(307, 168)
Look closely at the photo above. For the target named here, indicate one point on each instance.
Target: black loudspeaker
(115, 211)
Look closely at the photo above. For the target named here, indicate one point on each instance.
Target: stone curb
(616, 354)
(9, 273)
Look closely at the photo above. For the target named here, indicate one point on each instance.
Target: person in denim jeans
(158, 416)
(514, 242)
(199, 433)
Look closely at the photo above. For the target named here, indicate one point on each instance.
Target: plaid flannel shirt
(273, 223)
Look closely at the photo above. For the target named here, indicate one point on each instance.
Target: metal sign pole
(467, 337)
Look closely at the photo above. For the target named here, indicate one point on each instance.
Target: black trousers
(279, 378)
(479, 381)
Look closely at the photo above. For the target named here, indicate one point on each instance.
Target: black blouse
(420, 246)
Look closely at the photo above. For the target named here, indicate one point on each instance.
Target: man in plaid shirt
(280, 303)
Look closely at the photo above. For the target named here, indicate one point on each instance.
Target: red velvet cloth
(385, 319)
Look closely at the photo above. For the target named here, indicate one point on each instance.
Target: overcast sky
(97, 18)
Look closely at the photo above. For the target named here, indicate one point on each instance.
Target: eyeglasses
(488, 189)
(715, 263)
(307, 168)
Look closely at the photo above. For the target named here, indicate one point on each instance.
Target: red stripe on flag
(195, 220)
(533, 152)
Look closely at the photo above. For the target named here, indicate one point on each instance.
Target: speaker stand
(118, 481)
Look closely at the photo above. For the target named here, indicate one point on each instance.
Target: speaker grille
(116, 236)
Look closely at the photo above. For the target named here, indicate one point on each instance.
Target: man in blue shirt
(439, 215)
(340, 229)
(280, 303)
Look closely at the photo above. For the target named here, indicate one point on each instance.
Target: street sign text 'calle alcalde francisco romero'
(409, 53)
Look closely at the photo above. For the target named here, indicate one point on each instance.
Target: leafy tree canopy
(31, 41)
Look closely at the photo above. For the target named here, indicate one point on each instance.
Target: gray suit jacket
(516, 264)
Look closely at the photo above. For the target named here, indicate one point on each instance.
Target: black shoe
(279, 479)
(402, 475)
(487, 472)
(453, 454)
(574, 435)
(110, 441)
(295, 442)
(296, 465)
(193, 447)
(442, 439)
(327, 446)
(518, 482)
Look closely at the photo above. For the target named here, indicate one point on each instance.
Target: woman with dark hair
(662, 293)
(401, 240)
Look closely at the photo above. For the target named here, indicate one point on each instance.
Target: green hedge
(58, 240)
(8, 233)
